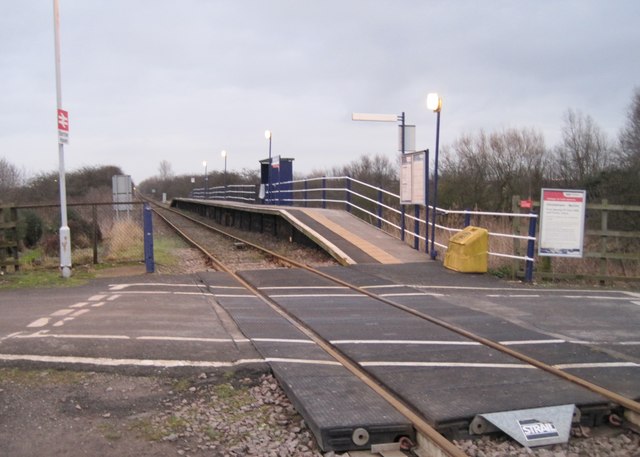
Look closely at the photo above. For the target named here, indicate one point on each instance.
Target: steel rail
(621, 400)
(419, 423)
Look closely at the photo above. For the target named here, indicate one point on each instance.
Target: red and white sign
(526, 204)
(63, 127)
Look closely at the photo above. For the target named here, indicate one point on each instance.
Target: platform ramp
(355, 240)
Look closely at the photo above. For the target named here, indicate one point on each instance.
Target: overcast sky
(181, 80)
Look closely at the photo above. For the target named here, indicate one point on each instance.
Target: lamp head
(223, 153)
(434, 102)
(267, 134)
(204, 163)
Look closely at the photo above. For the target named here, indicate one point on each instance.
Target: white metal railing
(299, 192)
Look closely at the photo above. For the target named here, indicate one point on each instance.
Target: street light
(434, 103)
(267, 135)
(206, 179)
(224, 156)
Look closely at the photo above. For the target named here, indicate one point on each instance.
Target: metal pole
(402, 208)
(528, 269)
(206, 181)
(434, 253)
(225, 176)
(269, 172)
(65, 233)
(426, 202)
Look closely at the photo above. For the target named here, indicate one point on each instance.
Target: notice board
(562, 213)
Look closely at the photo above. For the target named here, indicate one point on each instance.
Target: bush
(32, 229)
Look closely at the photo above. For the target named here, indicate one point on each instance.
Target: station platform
(347, 238)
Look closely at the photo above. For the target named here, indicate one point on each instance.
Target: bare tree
(584, 151)
(630, 135)
(486, 170)
(165, 170)
(11, 178)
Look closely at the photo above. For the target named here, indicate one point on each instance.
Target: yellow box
(468, 251)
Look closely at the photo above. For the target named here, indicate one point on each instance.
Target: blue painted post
(324, 191)
(426, 202)
(416, 228)
(148, 239)
(379, 208)
(467, 219)
(348, 192)
(528, 269)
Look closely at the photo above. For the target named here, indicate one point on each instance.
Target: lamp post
(434, 103)
(224, 156)
(267, 135)
(206, 179)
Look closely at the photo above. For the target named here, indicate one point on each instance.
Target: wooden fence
(611, 247)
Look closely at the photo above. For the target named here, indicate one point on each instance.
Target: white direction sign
(63, 127)
(562, 214)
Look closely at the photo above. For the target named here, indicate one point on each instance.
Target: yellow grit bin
(468, 251)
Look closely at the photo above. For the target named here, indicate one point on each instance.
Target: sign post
(63, 138)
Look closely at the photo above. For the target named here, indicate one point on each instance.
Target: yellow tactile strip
(371, 249)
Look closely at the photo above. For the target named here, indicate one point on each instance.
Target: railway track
(252, 255)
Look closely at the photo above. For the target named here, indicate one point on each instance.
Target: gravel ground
(67, 413)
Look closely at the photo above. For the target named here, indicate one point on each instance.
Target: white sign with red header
(562, 214)
(63, 127)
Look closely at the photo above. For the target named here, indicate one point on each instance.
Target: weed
(110, 431)
(26, 377)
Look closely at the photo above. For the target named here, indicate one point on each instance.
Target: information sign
(412, 178)
(562, 213)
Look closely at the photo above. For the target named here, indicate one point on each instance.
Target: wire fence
(100, 233)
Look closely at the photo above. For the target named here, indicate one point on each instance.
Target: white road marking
(636, 303)
(233, 296)
(11, 335)
(521, 289)
(412, 294)
(633, 294)
(303, 287)
(79, 304)
(282, 340)
(60, 323)
(149, 284)
(61, 312)
(76, 336)
(525, 342)
(444, 342)
(447, 365)
(514, 295)
(354, 295)
(80, 312)
(181, 338)
(98, 305)
(566, 366)
(419, 342)
(302, 361)
(39, 322)
(97, 297)
(104, 361)
(113, 297)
